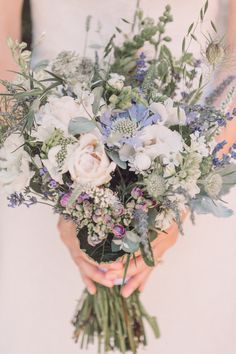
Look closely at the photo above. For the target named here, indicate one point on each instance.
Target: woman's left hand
(138, 272)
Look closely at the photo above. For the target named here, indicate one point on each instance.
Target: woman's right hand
(90, 271)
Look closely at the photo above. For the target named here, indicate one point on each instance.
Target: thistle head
(155, 185)
(213, 185)
(215, 53)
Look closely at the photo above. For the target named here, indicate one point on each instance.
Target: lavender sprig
(141, 227)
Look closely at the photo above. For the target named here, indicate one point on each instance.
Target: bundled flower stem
(116, 322)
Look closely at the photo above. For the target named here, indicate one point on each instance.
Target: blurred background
(26, 23)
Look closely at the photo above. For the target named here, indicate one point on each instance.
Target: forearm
(10, 26)
(229, 132)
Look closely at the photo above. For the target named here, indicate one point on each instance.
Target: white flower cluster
(15, 173)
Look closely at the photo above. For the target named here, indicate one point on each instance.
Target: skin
(10, 25)
(138, 273)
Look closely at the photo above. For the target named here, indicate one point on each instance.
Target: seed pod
(215, 53)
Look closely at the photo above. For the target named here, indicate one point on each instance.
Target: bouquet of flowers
(120, 146)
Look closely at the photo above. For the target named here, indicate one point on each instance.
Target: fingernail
(126, 294)
(91, 291)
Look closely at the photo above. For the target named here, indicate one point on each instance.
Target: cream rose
(89, 164)
(59, 111)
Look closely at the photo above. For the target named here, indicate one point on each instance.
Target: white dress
(193, 293)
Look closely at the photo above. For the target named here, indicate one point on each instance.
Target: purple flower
(142, 206)
(141, 69)
(52, 184)
(83, 196)
(233, 155)
(136, 192)
(118, 230)
(107, 219)
(65, 199)
(42, 171)
(219, 146)
(117, 209)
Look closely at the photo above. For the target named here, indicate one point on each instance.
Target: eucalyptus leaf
(228, 175)
(147, 256)
(97, 92)
(152, 213)
(206, 205)
(114, 156)
(116, 245)
(130, 242)
(80, 125)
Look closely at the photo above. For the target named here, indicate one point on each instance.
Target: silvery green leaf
(206, 205)
(116, 245)
(152, 213)
(115, 157)
(228, 175)
(76, 192)
(97, 92)
(131, 241)
(147, 254)
(129, 246)
(79, 125)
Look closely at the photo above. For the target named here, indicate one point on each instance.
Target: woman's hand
(138, 272)
(89, 270)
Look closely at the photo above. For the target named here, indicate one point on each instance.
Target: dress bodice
(62, 22)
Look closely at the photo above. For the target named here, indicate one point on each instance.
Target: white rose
(116, 81)
(59, 111)
(170, 115)
(15, 172)
(89, 163)
(159, 140)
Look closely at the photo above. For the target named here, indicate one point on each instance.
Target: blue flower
(123, 127)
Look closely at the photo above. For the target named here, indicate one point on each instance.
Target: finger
(112, 266)
(134, 268)
(89, 285)
(143, 283)
(134, 283)
(67, 230)
(92, 272)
